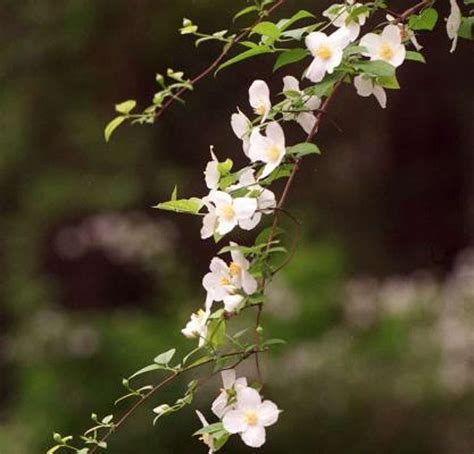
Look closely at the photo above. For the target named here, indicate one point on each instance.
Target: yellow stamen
(260, 109)
(386, 52)
(273, 153)
(225, 281)
(251, 417)
(235, 269)
(324, 52)
(228, 212)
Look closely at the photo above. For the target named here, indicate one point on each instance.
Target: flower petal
(254, 436)
(234, 422)
(291, 83)
(268, 413)
(392, 34)
(248, 398)
(244, 207)
(380, 95)
(363, 85)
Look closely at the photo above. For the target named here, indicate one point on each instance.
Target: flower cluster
(241, 410)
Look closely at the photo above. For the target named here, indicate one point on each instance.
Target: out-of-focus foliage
(94, 283)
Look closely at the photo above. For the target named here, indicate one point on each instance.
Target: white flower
(250, 417)
(259, 98)
(212, 174)
(266, 200)
(197, 326)
(206, 438)
(231, 212)
(209, 221)
(453, 23)
(306, 120)
(327, 52)
(387, 46)
(339, 14)
(220, 405)
(224, 282)
(366, 86)
(269, 149)
(242, 126)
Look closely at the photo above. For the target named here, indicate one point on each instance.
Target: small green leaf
(174, 194)
(426, 20)
(217, 330)
(466, 28)
(125, 107)
(267, 29)
(290, 56)
(210, 429)
(244, 56)
(375, 68)
(225, 167)
(190, 206)
(165, 358)
(389, 82)
(107, 419)
(287, 23)
(303, 149)
(415, 56)
(145, 370)
(112, 126)
(244, 12)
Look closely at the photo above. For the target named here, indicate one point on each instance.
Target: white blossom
(269, 149)
(197, 326)
(259, 98)
(306, 120)
(242, 127)
(406, 31)
(339, 14)
(230, 383)
(453, 23)
(212, 174)
(227, 282)
(225, 213)
(250, 416)
(367, 86)
(386, 47)
(327, 52)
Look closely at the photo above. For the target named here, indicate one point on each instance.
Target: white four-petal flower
(269, 149)
(327, 52)
(386, 47)
(367, 86)
(250, 416)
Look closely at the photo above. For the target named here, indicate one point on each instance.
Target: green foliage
(426, 20)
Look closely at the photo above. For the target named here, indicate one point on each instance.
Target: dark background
(377, 304)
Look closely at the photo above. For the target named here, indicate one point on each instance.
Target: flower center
(260, 109)
(273, 153)
(251, 418)
(201, 315)
(235, 269)
(225, 281)
(386, 52)
(324, 52)
(228, 212)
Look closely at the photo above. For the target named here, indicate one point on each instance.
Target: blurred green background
(377, 304)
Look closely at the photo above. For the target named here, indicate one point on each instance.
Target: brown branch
(218, 59)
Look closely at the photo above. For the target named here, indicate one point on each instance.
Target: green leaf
(375, 68)
(303, 149)
(112, 126)
(107, 419)
(174, 194)
(389, 82)
(415, 56)
(290, 56)
(165, 358)
(426, 20)
(145, 370)
(267, 29)
(225, 167)
(216, 332)
(125, 107)
(467, 24)
(210, 429)
(190, 206)
(244, 12)
(244, 56)
(264, 235)
(287, 23)
(274, 342)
